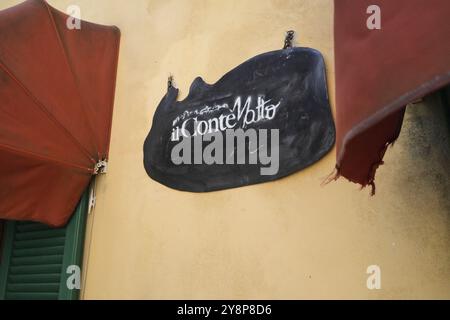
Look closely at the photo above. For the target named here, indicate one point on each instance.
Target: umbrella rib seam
(41, 157)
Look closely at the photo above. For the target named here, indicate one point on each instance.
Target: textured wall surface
(287, 239)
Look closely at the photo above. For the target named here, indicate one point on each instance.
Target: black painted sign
(263, 120)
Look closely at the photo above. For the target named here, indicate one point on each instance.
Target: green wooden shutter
(35, 258)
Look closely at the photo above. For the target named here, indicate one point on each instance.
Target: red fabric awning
(378, 72)
(56, 100)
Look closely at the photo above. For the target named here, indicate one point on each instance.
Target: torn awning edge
(375, 119)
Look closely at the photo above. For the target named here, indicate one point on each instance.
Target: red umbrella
(380, 71)
(56, 100)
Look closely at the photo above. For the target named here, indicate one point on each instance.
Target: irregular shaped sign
(263, 120)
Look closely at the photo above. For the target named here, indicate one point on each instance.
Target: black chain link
(170, 82)
(289, 38)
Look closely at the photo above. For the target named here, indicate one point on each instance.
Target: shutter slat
(43, 234)
(47, 251)
(21, 227)
(33, 287)
(25, 223)
(31, 296)
(36, 260)
(38, 269)
(35, 278)
(40, 243)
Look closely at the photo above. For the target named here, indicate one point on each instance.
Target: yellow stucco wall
(287, 239)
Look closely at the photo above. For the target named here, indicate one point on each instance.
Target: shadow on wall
(426, 149)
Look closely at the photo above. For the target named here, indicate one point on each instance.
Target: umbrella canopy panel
(57, 94)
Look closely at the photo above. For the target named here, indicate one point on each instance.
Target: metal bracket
(101, 167)
(92, 199)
